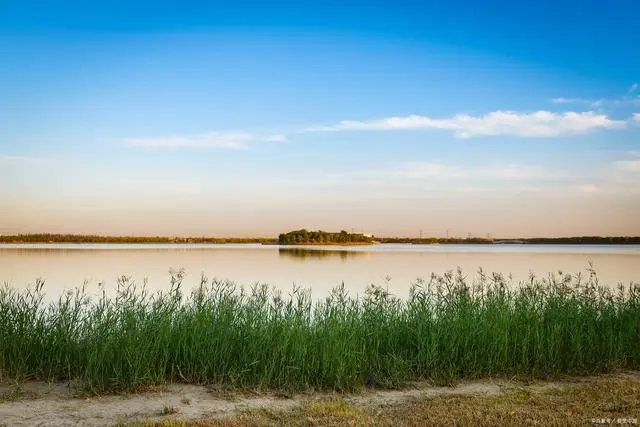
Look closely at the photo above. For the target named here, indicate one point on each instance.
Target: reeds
(448, 328)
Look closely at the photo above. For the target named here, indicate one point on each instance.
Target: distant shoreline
(23, 240)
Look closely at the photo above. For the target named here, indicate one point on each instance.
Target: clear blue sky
(392, 117)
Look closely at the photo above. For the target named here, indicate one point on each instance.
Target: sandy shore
(42, 404)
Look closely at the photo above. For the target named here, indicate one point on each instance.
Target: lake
(66, 266)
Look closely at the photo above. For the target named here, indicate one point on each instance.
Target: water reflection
(318, 268)
(304, 254)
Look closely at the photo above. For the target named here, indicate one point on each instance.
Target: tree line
(587, 240)
(579, 240)
(301, 237)
(435, 240)
(91, 238)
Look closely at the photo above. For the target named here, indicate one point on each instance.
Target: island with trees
(305, 237)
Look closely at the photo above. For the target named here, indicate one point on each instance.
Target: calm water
(319, 268)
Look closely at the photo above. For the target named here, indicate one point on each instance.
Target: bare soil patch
(574, 401)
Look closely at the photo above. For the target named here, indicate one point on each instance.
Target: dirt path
(41, 404)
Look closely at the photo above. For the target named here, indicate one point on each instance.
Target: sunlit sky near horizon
(238, 118)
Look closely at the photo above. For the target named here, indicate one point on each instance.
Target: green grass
(447, 329)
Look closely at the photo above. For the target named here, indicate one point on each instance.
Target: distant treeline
(582, 240)
(304, 237)
(435, 240)
(587, 240)
(80, 238)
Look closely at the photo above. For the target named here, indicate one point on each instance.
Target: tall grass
(448, 328)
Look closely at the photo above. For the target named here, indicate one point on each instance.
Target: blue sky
(392, 117)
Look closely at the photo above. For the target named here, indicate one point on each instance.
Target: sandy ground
(42, 404)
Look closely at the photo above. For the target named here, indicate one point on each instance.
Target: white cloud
(222, 140)
(628, 165)
(562, 100)
(588, 188)
(22, 159)
(594, 103)
(432, 170)
(418, 170)
(225, 140)
(525, 172)
(276, 138)
(627, 99)
(537, 124)
(624, 174)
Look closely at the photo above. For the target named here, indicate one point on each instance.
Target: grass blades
(448, 328)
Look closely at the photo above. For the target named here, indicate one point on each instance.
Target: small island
(305, 237)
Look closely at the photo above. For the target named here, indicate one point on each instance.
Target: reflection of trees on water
(306, 253)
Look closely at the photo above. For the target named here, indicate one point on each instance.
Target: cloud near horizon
(222, 140)
(628, 165)
(588, 188)
(511, 172)
(443, 176)
(537, 124)
(22, 159)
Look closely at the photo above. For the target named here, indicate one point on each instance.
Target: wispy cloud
(541, 124)
(222, 140)
(626, 99)
(628, 165)
(537, 124)
(528, 172)
(433, 177)
(276, 138)
(504, 172)
(419, 170)
(626, 172)
(22, 159)
(141, 185)
(621, 176)
(562, 100)
(434, 171)
(588, 188)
